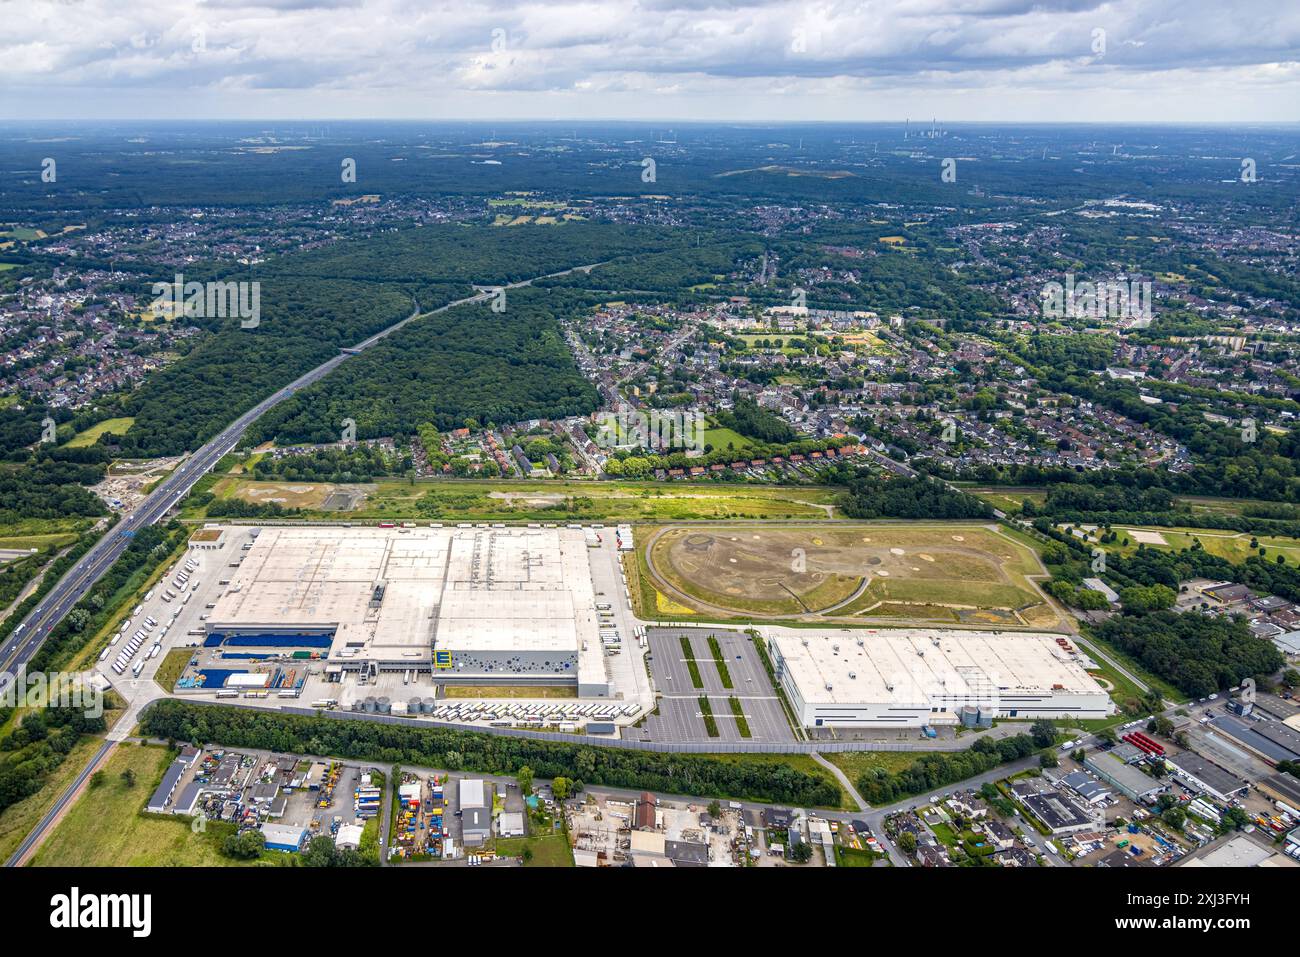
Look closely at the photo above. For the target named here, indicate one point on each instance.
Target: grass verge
(710, 723)
(721, 662)
(694, 669)
(741, 724)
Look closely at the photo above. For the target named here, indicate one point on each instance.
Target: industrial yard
(466, 625)
(532, 627)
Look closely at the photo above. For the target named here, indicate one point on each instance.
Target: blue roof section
(216, 677)
(312, 639)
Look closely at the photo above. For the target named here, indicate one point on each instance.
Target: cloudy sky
(1050, 60)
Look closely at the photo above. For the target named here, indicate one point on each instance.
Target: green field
(39, 541)
(107, 427)
(1232, 546)
(39, 532)
(750, 339)
(172, 667)
(542, 501)
(722, 440)
(106, 826)
(17, 820)
(1008, 499)
(549, 850)
(854, 763)
(852, 857)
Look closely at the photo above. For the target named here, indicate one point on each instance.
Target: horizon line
(677, 120)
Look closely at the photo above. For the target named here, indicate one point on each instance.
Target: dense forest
(601, 159)
(465, 363)
(39, 744)
(317, 302)
(1198, 654)
(356, 463)
(869, 496)
(45, 480)
(491, 754)
(47, 488)
(303, 323)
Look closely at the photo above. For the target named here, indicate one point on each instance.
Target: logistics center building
(913, 678)
(470, 605)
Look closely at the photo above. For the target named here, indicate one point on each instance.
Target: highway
(26, 639)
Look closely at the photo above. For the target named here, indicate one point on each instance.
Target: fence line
(668, 747)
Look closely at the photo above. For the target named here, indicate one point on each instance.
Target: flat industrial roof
(1124, 776)
(308, 577)
(459, 589)
(518, 589)
(1240, 851)
(1273, 739)
(1285, 786)
(1206, 772)
(909, 666)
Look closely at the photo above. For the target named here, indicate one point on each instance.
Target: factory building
(1111, 767)
(470, 605)
(1205, 776)
(914, 678)
(282, 837)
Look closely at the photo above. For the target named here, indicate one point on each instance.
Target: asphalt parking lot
(680, 719)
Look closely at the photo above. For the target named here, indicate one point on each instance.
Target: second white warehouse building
(913, 678)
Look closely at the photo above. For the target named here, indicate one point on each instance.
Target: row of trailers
(133, 645)
(532, 715)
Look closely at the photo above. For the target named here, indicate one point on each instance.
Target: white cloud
(1025, 59)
